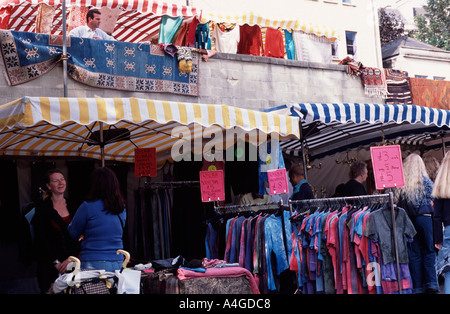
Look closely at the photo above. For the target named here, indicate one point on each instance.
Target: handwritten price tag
(387, 166)
(145, 162)
(212, 187)
(278, 181)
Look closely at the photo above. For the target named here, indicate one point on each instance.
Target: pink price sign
(212, 187)
(387, 167)
(145, 162)
(278, 181)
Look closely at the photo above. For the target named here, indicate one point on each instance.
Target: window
(439, 78)
(351, 42)
(347, 1)
(420, 76)
(334, 49)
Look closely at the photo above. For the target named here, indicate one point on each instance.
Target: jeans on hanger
(422, 257)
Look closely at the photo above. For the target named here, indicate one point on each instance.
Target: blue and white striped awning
(333, 127)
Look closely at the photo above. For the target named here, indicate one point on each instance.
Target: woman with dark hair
(52, 242)
(99, 223)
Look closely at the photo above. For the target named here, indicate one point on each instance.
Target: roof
(393, 48)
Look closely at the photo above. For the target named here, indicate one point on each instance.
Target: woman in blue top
(99, 223)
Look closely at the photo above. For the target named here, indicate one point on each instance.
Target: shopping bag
(129, 281)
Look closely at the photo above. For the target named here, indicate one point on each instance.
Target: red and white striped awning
(138, 21)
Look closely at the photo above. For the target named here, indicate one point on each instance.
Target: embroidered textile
(353, 67)
(44, 18)
(398, 90)
(374, 82)
(430, 93)
(109, 18)
(76, 17)
(99, 63)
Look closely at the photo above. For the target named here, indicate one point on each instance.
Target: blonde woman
(432, 165)
(441, 219)
(415, 198)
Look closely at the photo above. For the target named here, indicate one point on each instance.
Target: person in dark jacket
(441, 220)
(53, 244)
(302, 190)
(358, 175)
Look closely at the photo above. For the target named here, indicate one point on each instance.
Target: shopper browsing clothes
(302, 190)
(441, 220)
(53, 244)
(99, 223)
(415, 197)
(358, 175)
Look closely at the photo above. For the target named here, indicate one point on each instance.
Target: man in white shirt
(91, 30)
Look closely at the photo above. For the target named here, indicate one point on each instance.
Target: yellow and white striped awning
(255, 19)
(41, 126)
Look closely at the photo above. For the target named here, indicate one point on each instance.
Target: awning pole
(443, 145)
(102, 145)
(64, 56)
(305, 169)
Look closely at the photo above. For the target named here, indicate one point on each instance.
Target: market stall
(114, 129)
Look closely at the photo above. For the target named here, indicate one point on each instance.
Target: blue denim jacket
(424, 204)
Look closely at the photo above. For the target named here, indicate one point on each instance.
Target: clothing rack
(243, 208)
(363, 198)
(274, 208)
(172, 184)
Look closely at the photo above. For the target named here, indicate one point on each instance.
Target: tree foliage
(433, 27)
(391, 26)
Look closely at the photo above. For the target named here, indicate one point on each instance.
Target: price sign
(212, 185)
(278, 181)
(145, 162)
(387, 166)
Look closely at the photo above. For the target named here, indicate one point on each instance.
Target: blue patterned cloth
(99, 63)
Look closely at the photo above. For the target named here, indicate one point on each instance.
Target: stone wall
(238, 80)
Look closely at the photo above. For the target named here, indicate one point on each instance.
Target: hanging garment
(289, 44)
(274, 43)
(226, 40)
(250, 42)
(168, 28)
(202, 36)
(179, 39)
(191, 33)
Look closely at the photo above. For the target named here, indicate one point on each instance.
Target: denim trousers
(446, 275)
(422, 257)
(109, 266)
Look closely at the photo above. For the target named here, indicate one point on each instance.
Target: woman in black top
(53, 245)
